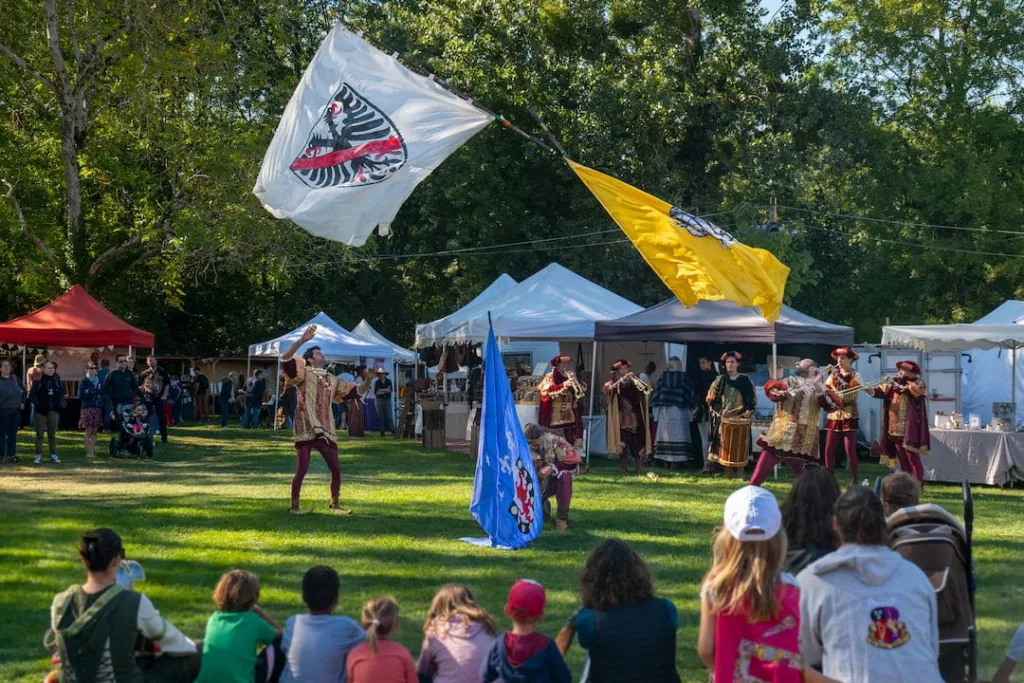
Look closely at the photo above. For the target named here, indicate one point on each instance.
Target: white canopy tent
(984, 377)
(963, 337)
(364, 330)
(428, 333)
(335, 342)
(552, 304)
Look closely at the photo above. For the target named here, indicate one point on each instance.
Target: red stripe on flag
(392, 144)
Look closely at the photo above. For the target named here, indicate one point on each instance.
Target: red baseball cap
(526, 600)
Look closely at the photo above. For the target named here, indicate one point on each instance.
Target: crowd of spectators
(806, 591)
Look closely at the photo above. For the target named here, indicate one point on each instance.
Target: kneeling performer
(793, 435)
(557, 462)
(316, 389)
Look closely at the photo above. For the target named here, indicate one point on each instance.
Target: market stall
(983, 456)
(986, 370)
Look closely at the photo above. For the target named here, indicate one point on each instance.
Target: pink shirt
(764, 650)
(392, 664)
(454, 653)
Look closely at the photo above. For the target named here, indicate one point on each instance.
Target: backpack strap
(86, 616)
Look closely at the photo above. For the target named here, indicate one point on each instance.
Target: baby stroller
(940, 545)
(134, 437)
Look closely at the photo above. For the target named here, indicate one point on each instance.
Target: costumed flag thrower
(506, 496)
(695, 259)
(360, 132)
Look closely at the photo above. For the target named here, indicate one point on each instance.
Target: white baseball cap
(752, 514)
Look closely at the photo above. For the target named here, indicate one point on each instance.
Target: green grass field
(215, 500)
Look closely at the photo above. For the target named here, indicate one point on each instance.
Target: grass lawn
(215, 500)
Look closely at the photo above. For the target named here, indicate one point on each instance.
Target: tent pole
(1013, 384)
(277, 391)
(24, 360)
(593, 390)
(129, 350)
(775, 361)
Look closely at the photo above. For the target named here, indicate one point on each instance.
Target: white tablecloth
(981, 457)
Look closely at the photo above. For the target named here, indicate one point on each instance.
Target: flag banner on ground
(360, 132)
(695, 259)
(506, 492)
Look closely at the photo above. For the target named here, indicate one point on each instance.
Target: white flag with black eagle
(360, 132)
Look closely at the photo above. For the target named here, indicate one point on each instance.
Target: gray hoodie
(866, 614)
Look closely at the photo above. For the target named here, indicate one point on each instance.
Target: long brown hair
(809, 509)
(613, 576)
(454, 599)
(380, 619)
(745, 575)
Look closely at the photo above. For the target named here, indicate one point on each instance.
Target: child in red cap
(522, 655)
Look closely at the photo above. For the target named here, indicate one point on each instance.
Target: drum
(734, 449)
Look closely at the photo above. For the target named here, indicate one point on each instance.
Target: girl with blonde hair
(457, 635)
(380, 659)
(750, 610)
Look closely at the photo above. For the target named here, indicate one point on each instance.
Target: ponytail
(380, 619)
(860, 517)
(98, 548)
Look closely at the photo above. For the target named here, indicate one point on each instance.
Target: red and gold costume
(556, 462)
(905, 434)
(793, 435)
(559, 401)
(629, 421)
(842, 423)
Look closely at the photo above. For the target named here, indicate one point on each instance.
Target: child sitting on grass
(522, 655)
(750, 611)
(234, 632)
(379, 659)
(457, 636)
(317, 643)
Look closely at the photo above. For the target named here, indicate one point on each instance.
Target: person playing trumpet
(905, 434)
(560, 394)
(731, 402)
(629, 422)
(792, 437)
(842, 423)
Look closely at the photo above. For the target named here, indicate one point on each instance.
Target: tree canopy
(131, 135)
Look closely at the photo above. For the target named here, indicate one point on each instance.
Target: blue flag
(506, 491)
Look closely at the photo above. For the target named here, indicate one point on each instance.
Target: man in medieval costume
(556, 461)
(316, 389)
(905, 434)
(792, 437)
(560, 394)
(629, 422)
(731, 403)
(672, 403)
(842, 423)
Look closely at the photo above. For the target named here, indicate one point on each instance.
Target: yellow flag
(694, 258)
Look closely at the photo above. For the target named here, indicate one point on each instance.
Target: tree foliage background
(131, 135)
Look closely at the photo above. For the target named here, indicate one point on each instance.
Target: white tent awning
(552, 304)
(427, 334)
(954, 337)
(364, 330)
(335, 342)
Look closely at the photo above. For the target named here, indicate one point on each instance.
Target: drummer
(731, 402)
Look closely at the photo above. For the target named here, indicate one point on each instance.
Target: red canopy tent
(74, 319)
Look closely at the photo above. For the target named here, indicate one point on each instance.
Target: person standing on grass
(90, 392)
(202, 385)
(314, 423)
(255, 387)
(12, 402)
(121, 388)
(316, 644)
(236, 630)
(31, 375)
(523, 655)
(156, 385)
(383, 390)
(380, 659)
(97, 625)
(47, 395)
(227, 390)
(629, 633)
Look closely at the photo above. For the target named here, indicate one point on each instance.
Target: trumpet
(578, 391)
(869, 385)
(643, 386)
